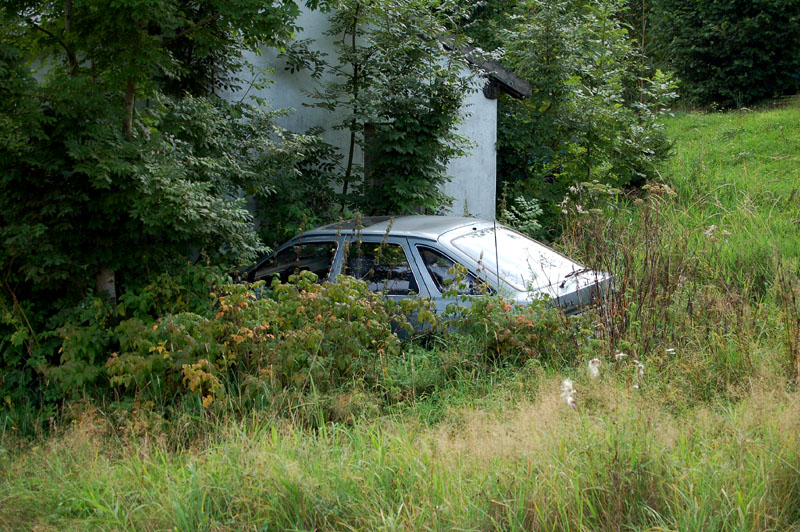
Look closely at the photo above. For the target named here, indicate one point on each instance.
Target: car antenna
(496, 259)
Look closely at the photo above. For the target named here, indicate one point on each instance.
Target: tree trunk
(127, 119)
(72, 59)
(105, 285)
(349, 169)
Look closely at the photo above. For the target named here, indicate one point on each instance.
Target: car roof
(429, 227)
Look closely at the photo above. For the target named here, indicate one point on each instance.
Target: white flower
(568, 392)
(639, 367)
(620, 355)
(670, 350)
(567, 388)
(635, 386)
(594, 368)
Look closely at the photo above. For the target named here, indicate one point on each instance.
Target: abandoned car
(410, 255)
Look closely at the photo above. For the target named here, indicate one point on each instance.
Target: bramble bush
(252, 344)
(298, 334)
(509, 332)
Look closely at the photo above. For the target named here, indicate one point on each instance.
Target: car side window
(315, 257)
(444, 273)
(383, 266)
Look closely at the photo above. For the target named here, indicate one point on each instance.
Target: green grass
(740, 171)
(710, 441)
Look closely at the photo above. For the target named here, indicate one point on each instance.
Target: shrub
(332, 345)
(511, 333)
(592, 115)
(300, 334)
(730, 53)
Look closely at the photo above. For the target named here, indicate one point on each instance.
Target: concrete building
(473, 183)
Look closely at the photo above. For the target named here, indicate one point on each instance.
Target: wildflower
(568, 393)
(639, 367)
(635, 386)
(594, 368)
(670, 350)
(620, 355)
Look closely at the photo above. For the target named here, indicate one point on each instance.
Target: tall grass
(706, 261)
(619, 462)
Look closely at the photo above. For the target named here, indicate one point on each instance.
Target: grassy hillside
(704, 435)
(741, 172)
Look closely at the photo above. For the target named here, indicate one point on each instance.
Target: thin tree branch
(73, 63)
(209, 19)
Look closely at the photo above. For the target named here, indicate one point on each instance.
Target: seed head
(568, 392)
(594, 368)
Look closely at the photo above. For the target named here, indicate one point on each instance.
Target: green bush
(334, 345)
(301, 334)
(731, 53)
(593, 114)
(508, 332)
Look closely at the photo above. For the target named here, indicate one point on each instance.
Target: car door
(440, 273)
(386, 264)
(318, 254)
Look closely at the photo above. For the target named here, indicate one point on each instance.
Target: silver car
(410, 255)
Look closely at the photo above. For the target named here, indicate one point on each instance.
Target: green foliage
(508, 332)
(304, 197)
(523, 215)
(401, 91)
(305, 335)
(591, 115)
(729, 54)
(119, 162)
(705, 437)
(487, 20)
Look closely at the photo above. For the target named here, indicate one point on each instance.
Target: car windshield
(524, 263)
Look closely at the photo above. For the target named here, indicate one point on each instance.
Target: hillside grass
(707, 438)
(740, 172)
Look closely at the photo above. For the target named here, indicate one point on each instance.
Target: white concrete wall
(473, 175)
(290, 90)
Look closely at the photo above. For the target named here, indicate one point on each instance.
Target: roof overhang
(499, 77)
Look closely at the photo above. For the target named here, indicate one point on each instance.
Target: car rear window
(316, 257)
(523, 263)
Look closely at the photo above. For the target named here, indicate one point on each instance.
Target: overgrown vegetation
(399, 93)
(727, 54)
(120, 163)
(464, 427)
(141, 390)
(595, 111)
